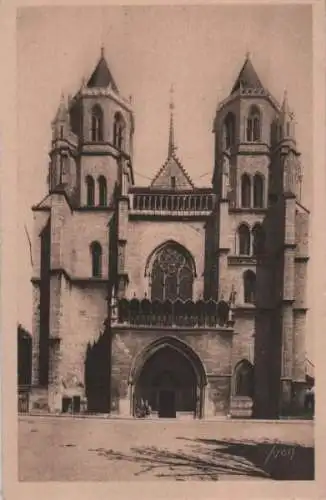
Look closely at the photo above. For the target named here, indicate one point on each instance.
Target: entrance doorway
(170, 379)
(166, 407)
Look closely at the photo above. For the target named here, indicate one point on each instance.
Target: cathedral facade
(193, 299)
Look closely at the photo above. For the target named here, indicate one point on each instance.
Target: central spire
(171, 147)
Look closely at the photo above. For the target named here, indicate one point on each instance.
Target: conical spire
(287, 122)
(101, 76)
(61, 114)
(171, 146)
(247, 78)
(285, 105)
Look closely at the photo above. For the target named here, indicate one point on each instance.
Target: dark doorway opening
(24, 353)
(167, 404)
(168, 382)
(66, 404)
(97, 376)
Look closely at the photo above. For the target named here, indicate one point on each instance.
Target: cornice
(72, 279)
(91, 92)
(242, 260)
(250, 210)
(139, 215)
(194, 330)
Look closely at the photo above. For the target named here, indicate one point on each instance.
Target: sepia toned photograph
(165, 170)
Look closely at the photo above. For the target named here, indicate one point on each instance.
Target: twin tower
(99, 122)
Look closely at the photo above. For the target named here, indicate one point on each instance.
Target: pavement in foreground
(59, 449)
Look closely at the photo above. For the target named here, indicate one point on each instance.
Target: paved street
(68, 449)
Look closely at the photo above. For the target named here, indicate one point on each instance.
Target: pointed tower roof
(247, 78)
(62, 112)
(101, 76)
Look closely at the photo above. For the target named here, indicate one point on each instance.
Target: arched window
(96, 254)
(258, 234)
(253, 125)
(244, 240)
(102, 191)
(258, 191)
(229, 130)
(245, 191)
(249, 285)
(118, 131)
(90, 187)
(97, 124)
(172, 275)
(244, 379)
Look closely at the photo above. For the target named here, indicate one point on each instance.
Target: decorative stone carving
(225, 176)
(114, 310)
(233, 296)
(71, 382)
(292, 174)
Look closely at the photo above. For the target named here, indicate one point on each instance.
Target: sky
(198, 49)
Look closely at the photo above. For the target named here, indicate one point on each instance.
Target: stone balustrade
(202, 314)
(175, 203)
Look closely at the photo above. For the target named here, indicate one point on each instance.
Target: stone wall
(145, 236)
(212, 346)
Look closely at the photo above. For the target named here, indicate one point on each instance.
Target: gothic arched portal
(170, 376)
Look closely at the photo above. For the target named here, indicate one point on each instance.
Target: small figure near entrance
(140, 409)
(148, 409)
(143, 409)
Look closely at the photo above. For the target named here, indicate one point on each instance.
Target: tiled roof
(247, 78)
(172, 166)
(101, 76)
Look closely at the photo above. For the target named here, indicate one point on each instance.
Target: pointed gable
(173, 176)
(247, 78)
(101, 76)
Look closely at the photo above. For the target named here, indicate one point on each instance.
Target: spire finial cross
(171, 147)
(171, 97)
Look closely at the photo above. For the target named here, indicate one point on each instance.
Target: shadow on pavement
(205, 459)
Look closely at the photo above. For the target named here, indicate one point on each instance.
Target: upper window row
(172, 274)
(253, 127)
(97, 131)
(252, 191)
(90, 191)
(96, 255)
(250, 242)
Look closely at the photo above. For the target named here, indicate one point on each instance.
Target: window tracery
(172, 275)
(254, 125)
